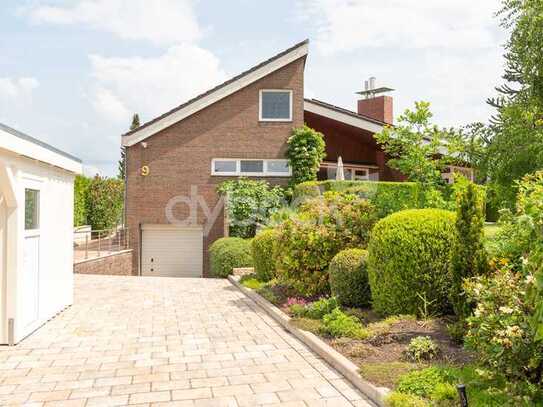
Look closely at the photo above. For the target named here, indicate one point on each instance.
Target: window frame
(239, 173)
(37, 210)
(260, 94)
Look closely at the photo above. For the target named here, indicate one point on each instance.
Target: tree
(249, 204)
(81, 185)
(468, 255)
(306, 150)
(516, 148)
(416, 147)
(104, 202)
(122, 162)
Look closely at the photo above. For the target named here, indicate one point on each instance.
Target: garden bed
(380, 358)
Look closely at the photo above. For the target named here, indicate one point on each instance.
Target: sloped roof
(40, 143)
(22, 144)
(343, 115)
(217, 93)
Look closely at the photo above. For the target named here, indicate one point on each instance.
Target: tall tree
(418, 148)
(134, 125)
(517, 145)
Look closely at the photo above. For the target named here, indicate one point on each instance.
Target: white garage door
(170, 251)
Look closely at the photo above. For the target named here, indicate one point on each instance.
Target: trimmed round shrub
(262, 249)
(349, 278)
(228, 253)
(408, 262)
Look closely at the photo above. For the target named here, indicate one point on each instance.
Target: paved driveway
(172, 342)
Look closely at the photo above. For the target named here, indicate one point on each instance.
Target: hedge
(229, 252)
(262, 249)
(387, 197)
(408, 262)
(349, 278)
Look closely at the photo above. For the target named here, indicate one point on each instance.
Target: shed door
(31, 259)
(3, 260)
(169, 251)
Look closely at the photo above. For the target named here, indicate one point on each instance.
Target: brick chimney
(376, 107)
(379, 108)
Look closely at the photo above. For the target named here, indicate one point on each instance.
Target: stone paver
(166, 342)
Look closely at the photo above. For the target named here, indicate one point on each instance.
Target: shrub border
(339, 362)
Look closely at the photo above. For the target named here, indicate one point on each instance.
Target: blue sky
(73, 72)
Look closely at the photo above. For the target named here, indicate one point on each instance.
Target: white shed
(36, 233)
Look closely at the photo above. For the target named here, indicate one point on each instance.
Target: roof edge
(40, 143)
(346, 111)
(297, 51)
(343, 115)
(23, 145)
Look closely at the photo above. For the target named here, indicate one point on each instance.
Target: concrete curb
(333, 357)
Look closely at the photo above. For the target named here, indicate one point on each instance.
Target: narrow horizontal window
(250, 168)
(224, 166)
(278, 166)
(275, 105)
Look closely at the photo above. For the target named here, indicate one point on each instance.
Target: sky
(73, 72)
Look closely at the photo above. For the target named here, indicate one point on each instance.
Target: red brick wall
(379, 108)
(118, 264)
(180, 156)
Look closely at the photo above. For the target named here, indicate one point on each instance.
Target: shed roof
(28, 146)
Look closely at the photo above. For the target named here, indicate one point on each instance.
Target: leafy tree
(249, 204)
(81, 185)
(122, 162)
(517, 146)
(306, 150)
(104, 203)
(468, 255)
(418, 148)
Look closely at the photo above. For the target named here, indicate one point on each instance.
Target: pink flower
(296, 301)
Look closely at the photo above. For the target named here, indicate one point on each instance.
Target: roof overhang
(221, 92)
(35, 150)
(343, 117)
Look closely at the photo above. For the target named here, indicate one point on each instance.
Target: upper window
(275, 105)
(32, 209)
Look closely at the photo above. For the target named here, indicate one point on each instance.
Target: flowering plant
(499, 330)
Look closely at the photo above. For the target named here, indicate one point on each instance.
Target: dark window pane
(32, 207)
(225, 166)
(252, 166)
(276, 105)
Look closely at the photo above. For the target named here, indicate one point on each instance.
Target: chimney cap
(371, 91)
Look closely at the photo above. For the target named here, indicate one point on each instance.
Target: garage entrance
(172, 251)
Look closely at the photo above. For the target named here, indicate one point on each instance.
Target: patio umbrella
(340, 175)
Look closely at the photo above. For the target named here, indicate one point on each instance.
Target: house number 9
(145, 170)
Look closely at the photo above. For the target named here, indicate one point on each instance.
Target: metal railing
(90, 244)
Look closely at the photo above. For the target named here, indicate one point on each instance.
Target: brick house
(239, 128)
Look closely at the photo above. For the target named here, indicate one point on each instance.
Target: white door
(31, 259)
(3, 259)
(31, 275)
(170, 251)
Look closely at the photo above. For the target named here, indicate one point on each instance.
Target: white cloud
(158, 21)
(16, 88)
(347, 25)
(108, 105)
(151, 86)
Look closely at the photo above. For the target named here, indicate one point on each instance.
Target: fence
(91, 244)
